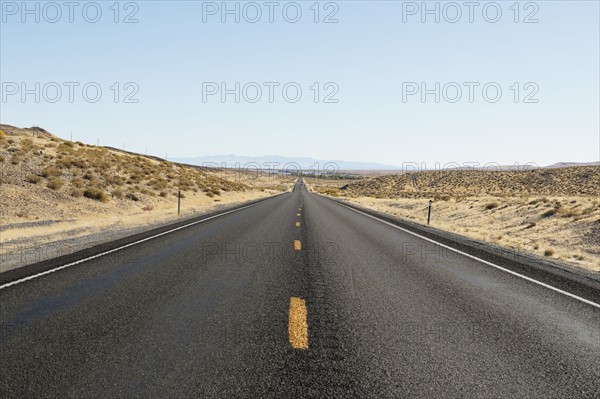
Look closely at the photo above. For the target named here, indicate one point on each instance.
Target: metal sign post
(429, 212)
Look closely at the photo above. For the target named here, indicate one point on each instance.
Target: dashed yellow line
(298, 214)
(297, 245)
(298, 325)
(297, 224)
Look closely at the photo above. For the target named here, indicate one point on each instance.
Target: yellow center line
(297, 224)
(297, 245)
(298, 214)
(298, 325)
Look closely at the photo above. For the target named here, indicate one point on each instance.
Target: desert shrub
(132, 197)
(1, 159)
(438, 197)
(565, 212)
(185, 184)
(17, 151)
(135, 178)
(69, 162)
(147, 192)
(2, 134)
(27, 144)
(115, 180)
(117, 193)
(163, 194)
(55, 183)
(210, 194)
(548, 252)
(77, 193)
(548, 213)
(77, 182)
(34, 179)
(15, 159)
(587, 211)
(65, 146)
(99, 163)
(51, 171)
(491, 205)
(148, 207)
(96, 194)
(158, 183)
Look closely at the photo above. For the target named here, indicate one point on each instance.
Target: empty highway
(295, 296)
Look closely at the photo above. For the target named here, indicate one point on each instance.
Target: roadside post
(178, 202)
(429, 212)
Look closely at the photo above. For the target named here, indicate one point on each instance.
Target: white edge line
(34, 276)
(477, 259)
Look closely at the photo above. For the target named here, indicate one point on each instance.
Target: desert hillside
(54, 190)
(553, 212)
(570, 181)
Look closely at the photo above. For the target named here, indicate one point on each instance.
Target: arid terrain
(552, 212)
(58, 196)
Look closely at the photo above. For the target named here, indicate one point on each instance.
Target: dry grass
(96, 194)
(573, 181)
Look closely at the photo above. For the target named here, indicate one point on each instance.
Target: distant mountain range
(569, 164)
(307, 164)
(280, 162)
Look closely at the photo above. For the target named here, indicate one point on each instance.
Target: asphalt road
(216, 310)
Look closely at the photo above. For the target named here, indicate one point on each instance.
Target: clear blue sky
(368, 54)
